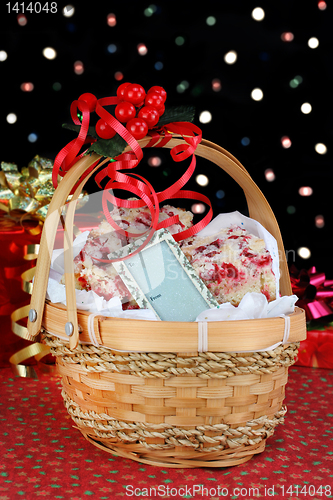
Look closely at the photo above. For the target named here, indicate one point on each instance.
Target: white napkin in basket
(252, 306)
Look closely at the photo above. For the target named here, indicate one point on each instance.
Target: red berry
(161, 110)
(125, 111)
(90, 99)
(134, 93)
(104, 130)
(121, 88)
(150, 115)
(137, 127)
(154, 99)
(159, 90)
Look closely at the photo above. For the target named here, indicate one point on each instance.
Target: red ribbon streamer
(314, 291)
(134, 183)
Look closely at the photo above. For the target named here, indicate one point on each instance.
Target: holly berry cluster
(140, 111)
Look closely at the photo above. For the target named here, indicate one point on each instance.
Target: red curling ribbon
(160, 136)
(68, 155)
(154, 211)
(199, 225)
(178, 153)
(146, 199)
(314, 291)
(183, 151)
(134, 183)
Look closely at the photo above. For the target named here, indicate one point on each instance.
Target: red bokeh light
(111, 20)
(27, 86)
(118, 76)
(287, 36)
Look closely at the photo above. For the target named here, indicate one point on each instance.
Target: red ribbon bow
(132, 182)
(315, 292)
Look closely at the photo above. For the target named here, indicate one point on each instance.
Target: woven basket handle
(47, 241)
(258, 206)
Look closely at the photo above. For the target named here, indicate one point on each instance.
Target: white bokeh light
(257, 94)
(320, 148)
(258, 14)
(202, 180)
(11, 118)
(49, 53)
(230, 57)
(313, 42)
(304, 252)
(306, 108)
(68, 11)
(205, 117)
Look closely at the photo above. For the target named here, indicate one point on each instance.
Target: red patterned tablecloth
(43, 455)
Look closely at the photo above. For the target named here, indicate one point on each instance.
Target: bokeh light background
(258, 73)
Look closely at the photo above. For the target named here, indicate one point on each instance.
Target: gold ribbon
(28, 191)
(27, 276)
(19, 330)
(37, 349)
(25, 196)
(24, 199)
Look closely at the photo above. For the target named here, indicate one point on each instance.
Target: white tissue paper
(252, 306)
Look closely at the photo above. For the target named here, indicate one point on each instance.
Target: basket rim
(134, 335)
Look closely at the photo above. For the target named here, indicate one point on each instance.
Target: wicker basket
(162, 402)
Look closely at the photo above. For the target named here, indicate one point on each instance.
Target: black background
(264, 61)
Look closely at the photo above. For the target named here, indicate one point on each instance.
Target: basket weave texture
(208, 409)
(162, 402)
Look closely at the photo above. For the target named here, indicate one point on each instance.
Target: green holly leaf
(76, 128)
(110, 148)
(176, 114)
